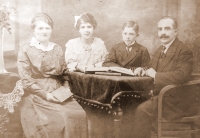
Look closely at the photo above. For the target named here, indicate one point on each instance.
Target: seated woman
(85, 51)
(128, 54)
(41, 65)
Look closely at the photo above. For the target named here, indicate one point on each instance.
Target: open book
(123, 71)
(62, 94)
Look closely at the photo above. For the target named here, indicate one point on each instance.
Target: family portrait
(100, 69)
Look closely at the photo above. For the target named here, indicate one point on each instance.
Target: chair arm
(160, 99)
(166, 89)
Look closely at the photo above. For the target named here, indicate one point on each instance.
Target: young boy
(128, 54)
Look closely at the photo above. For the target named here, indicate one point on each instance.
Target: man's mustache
(163, 36)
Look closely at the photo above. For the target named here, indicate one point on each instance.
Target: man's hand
(151, 73)
(139, 72)
(51, 98)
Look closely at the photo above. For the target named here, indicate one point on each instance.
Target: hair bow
(76, 20)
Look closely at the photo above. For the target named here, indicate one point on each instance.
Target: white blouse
(77, 53)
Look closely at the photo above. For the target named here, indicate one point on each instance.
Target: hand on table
(151, 73)
(80, 67)
(139, 72)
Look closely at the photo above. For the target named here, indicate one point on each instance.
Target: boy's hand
(139, 72)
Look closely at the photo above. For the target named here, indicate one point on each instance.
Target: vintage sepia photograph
(99, 68)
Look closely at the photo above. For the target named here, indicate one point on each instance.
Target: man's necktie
(161, 56)
(162, 53)
(128, 48)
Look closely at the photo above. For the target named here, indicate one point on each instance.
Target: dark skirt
(43, 119)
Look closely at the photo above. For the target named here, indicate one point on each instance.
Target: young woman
(85, 51)
(41, 65)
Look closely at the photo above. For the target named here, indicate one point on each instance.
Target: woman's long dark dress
(42, 119)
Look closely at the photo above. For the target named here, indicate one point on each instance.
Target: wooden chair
(185, 126)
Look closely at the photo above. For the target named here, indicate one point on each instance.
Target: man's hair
(131, 24)
(175, 25)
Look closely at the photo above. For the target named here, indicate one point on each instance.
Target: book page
(97, 69)
(122, 70)
(108, 73)
(110, 69)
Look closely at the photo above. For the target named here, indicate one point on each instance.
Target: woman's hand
(51, 98)
(80, 67)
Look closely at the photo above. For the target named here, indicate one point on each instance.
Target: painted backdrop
(110, 15)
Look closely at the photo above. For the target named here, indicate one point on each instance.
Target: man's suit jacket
(174, 68)
(118, 57)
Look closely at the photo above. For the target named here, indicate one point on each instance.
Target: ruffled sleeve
(100, 52)
(71, 56)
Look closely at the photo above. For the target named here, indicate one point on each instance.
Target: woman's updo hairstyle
(86, 17)
(41, 17)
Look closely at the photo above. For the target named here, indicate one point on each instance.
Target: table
(10, 95)
(101, 88)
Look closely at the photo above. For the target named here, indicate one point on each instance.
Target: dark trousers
(173, 108)
(145, 115)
